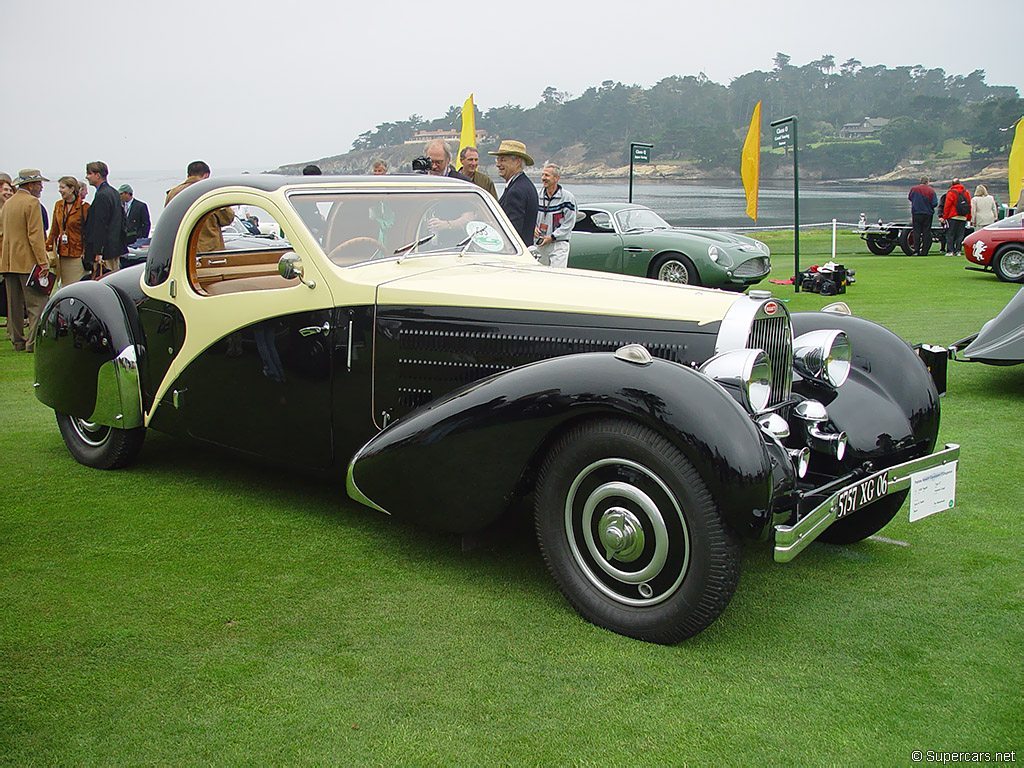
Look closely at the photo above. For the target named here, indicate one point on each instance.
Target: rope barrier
(779, 227)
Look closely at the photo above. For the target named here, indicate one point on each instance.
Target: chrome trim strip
(790, 540)
(353, 490)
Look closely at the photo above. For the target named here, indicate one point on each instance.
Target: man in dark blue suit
(136, 215)
(519, 200)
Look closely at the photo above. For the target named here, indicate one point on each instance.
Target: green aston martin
(633, 240)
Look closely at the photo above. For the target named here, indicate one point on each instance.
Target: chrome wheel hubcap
(90, 432)
(674, 272)
(621, 534)
(627, 532)
(1013, 264)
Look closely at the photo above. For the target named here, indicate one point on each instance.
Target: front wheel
(1009, 264)
(675, 268)
(99, 446)
(880, 245)
(631, 534)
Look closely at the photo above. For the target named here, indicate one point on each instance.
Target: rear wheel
(880, 245)
(99, 446)
(1009, 264)
(908, 241)
(864, 522)
(675, 268)
(631, 534)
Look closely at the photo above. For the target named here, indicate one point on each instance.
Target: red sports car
(999, 248)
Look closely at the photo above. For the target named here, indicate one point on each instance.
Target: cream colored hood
(505, 285)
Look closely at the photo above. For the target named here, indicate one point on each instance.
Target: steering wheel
(351, 251)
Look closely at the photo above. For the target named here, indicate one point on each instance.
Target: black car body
(405, 336)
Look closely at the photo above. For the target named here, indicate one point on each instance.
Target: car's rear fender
(86, 357)
(457, 462)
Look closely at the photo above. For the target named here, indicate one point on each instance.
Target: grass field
(199, 609)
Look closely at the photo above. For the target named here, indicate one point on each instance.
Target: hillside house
(864, 128)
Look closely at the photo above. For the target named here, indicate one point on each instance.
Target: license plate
(860, 494)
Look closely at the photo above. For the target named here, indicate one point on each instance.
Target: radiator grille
(752, 267)
(775, 337)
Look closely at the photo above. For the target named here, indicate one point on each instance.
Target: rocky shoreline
(574, 167)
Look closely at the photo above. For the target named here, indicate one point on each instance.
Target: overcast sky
(261, 83)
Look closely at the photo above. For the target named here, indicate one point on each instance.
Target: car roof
(613, 207)
(170, 219)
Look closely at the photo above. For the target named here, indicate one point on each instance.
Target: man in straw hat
(519, 200)
(24, 247)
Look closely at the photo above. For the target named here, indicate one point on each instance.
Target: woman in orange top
(69, 214)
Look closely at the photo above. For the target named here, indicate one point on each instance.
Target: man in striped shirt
(556, 216)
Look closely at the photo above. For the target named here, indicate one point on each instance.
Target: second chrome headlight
(823, 355)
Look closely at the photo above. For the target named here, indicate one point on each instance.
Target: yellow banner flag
(1017, 163)
(468, 136)
(750, 161)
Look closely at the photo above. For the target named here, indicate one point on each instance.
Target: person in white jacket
(556, 216)
(983, 208)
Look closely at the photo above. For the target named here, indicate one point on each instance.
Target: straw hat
(28, 175)
(514, 148)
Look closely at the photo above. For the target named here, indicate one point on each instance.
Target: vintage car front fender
(456, 463)
(888, 407)
(86, 360)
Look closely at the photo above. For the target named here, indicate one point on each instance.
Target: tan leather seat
(240, 284)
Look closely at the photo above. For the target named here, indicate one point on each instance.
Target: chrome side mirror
(289, 266)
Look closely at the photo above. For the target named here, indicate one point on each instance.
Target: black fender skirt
(457, 462)
(888, 407)
(83, 331)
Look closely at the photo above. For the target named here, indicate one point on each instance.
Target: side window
(236, 248)
(593, 221)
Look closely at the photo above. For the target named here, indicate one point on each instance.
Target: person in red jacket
(956, 212)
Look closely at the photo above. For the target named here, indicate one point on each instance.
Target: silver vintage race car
(403, 338)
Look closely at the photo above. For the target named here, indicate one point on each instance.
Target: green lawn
(199, 609)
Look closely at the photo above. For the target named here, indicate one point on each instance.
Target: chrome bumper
(790, 540)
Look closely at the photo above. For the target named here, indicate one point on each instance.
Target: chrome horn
(813, 415)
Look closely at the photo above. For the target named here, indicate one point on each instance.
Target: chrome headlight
(823, 355)
(763, 247)
(746, 372)
(715, 253)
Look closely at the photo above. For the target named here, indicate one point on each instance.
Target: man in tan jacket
(24, 246)
(210, 237)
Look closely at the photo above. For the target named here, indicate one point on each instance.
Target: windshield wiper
(463, 246)
(410, 247)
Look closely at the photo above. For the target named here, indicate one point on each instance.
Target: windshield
(639, 218)
(353, 228)
(1010, 222)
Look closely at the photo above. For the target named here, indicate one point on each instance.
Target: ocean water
(691, 204)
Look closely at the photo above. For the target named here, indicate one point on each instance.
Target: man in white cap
(519, 200)
(24, 248)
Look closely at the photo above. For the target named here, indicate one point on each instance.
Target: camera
(421, 164)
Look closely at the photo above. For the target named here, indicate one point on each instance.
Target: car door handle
(635, 250)
(312, 330)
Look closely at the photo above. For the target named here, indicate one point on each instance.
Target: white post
(833, 239)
